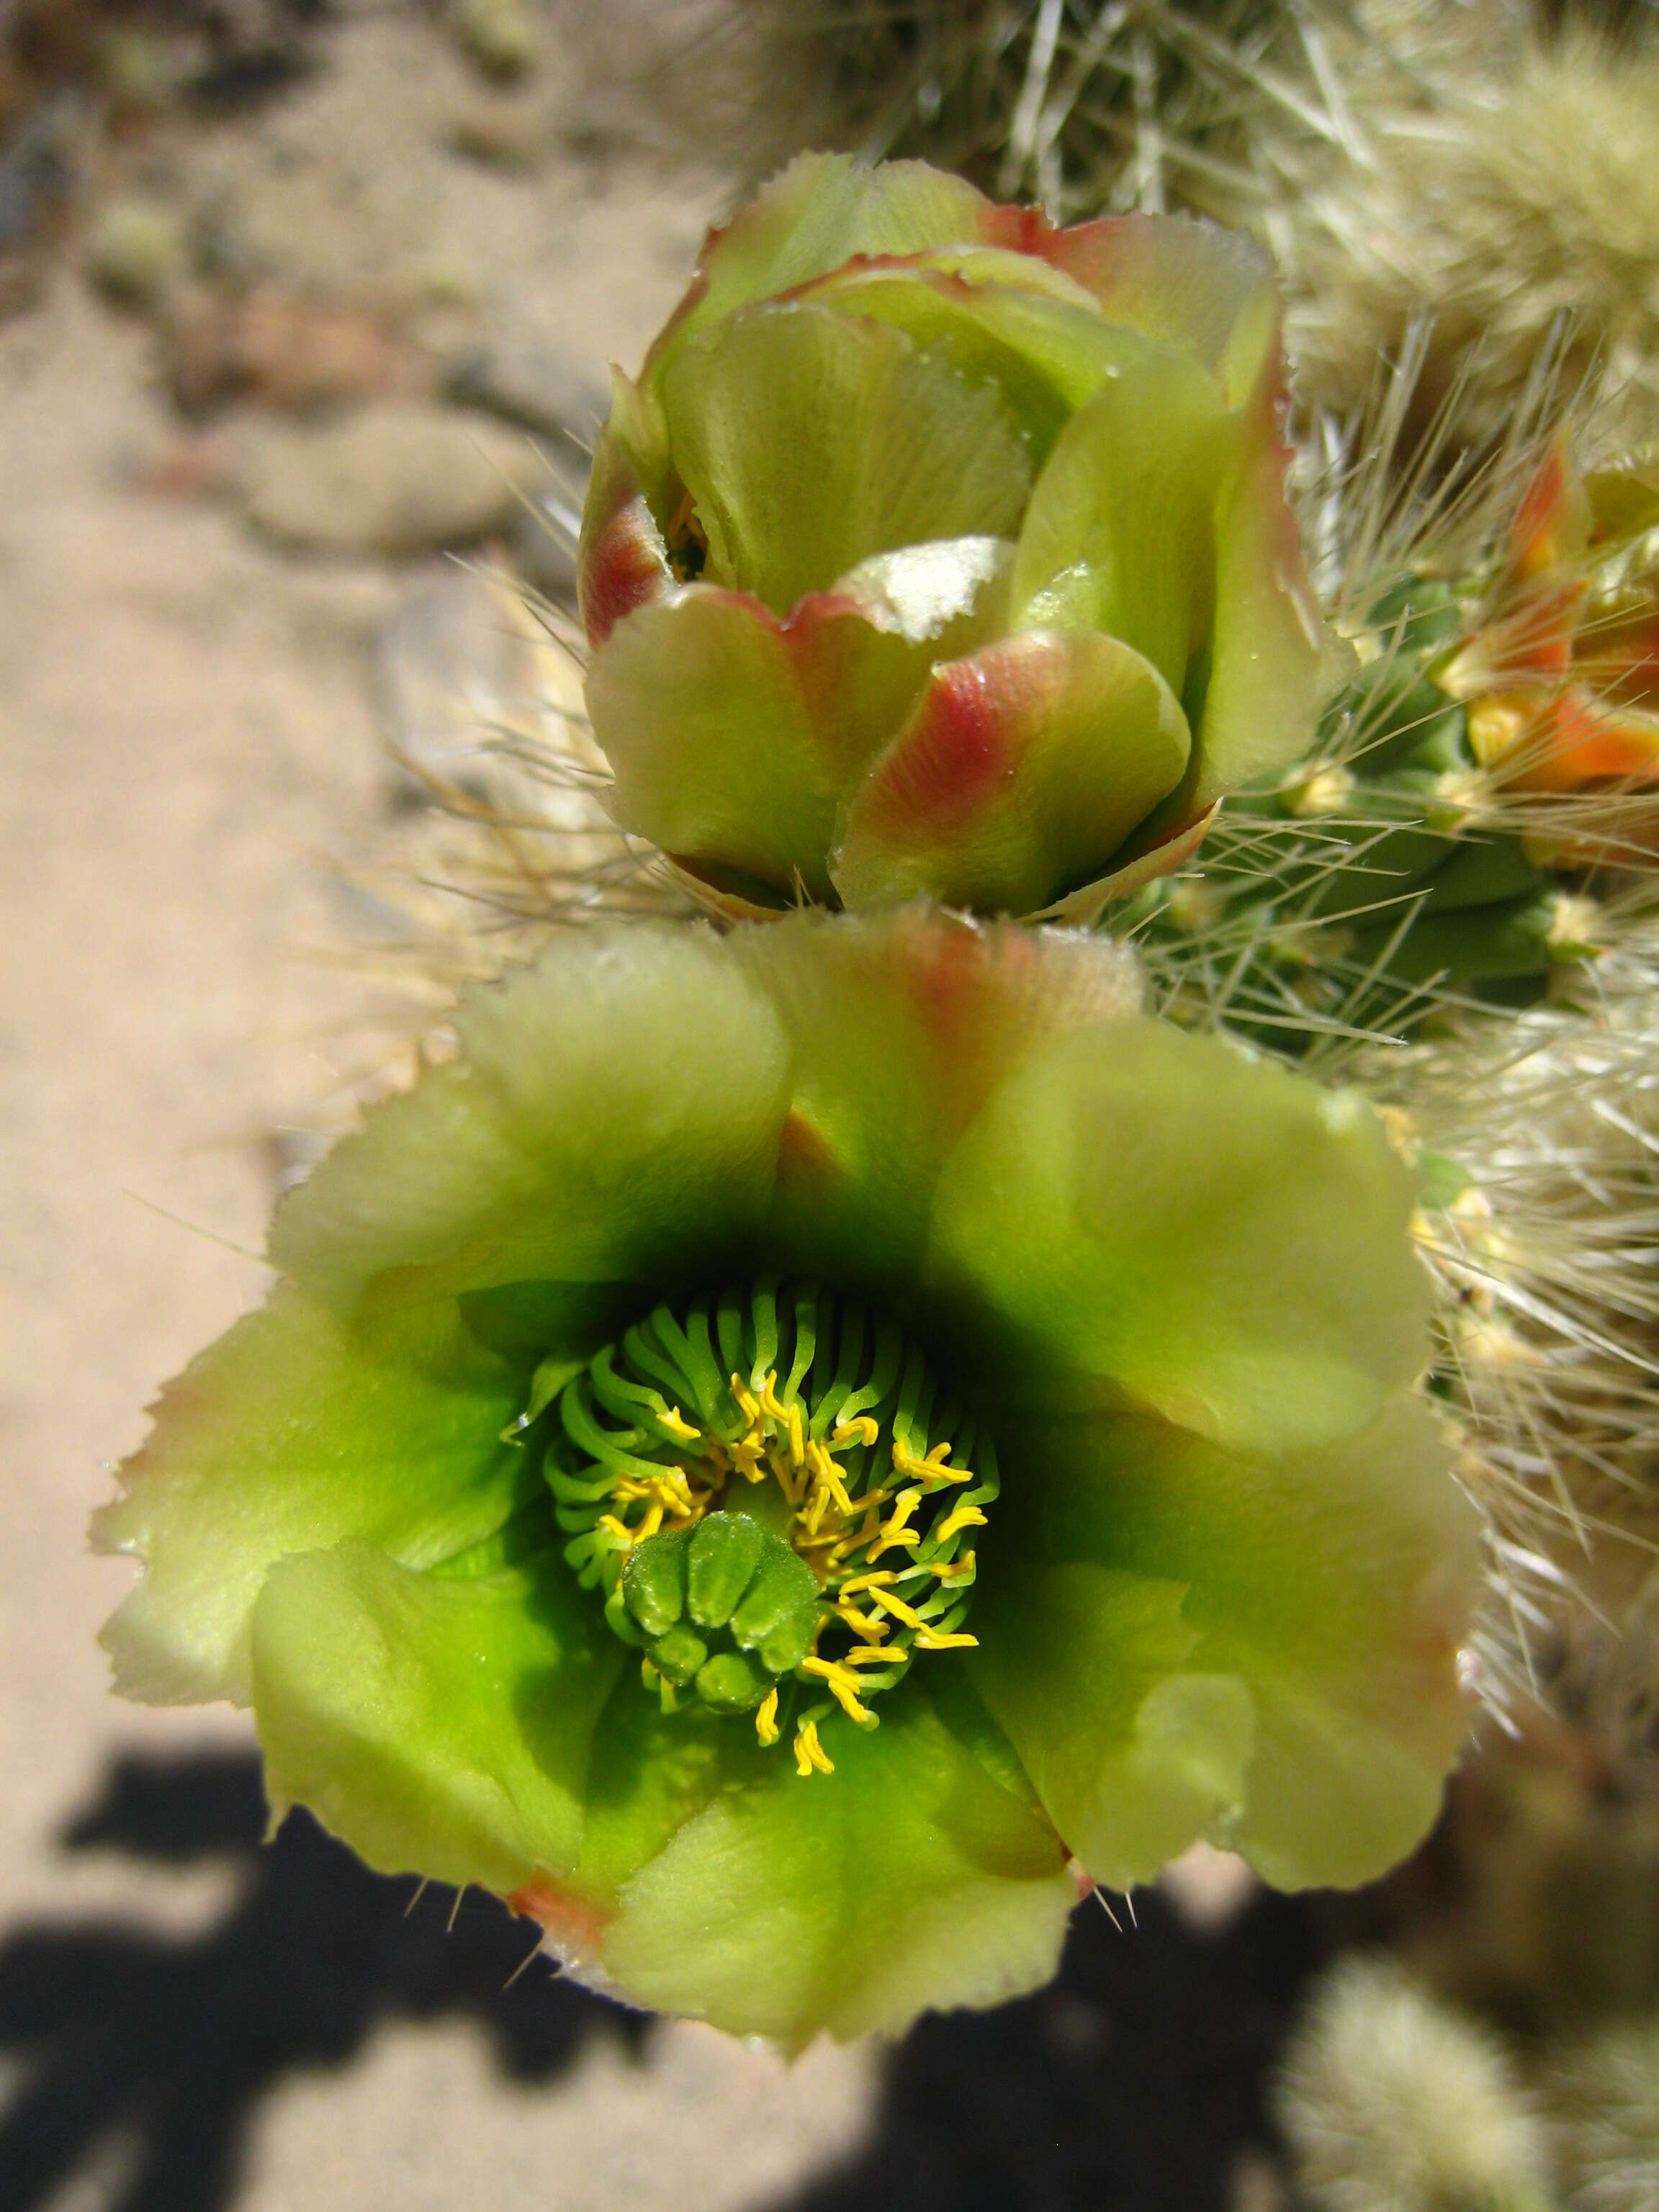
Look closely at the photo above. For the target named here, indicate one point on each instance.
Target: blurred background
(299, 301)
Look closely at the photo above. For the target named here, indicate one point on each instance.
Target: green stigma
(776, 1501)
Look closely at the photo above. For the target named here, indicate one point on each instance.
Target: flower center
(773, 1495)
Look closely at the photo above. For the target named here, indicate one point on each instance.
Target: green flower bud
(939, 550)
(790, 1446)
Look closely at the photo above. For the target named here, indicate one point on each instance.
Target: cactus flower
(790, 1446)
(939, 550)
(1560, 675)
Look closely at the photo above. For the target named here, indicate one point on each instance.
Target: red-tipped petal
(1172, 276)
(621, 561)
(1023, 768)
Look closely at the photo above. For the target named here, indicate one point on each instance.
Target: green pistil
(774, 1500)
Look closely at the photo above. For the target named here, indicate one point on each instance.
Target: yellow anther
(907, 1540)
(860, 1430)
(766, 1719)
(843, 1685)
(894, 1532)
(854, 1584)
(810, 1754)
(619, 1529)
(965, 1516)
(676, 1425)
(747, 1404)
(896, 1607)
(862, 1622)
(931, 1639)
(951, 1570)
(932, 1469)
(748, 1459)
(818, 1461)
(873, 1655)
(836, 1489)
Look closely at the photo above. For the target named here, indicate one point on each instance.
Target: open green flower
(790, 1445)
(940, 551)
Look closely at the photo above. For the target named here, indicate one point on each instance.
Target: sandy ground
(189, 741)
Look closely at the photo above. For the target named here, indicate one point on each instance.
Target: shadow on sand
(170, 2042)
(1130, 2085)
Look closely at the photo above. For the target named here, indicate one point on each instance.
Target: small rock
(392, 478)
(192, 464)
(37, 175)
(505, 134)
(502, 36)
(137, 251)
(137, 72)
(538, 387)
(285, 352)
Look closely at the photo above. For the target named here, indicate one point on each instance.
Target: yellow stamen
(861, 1623)
(810, 1754)
(951, 1570)
(832, 1483)
(676, 1425)
(932, 1469)
(766, 1719)
(860, 1429)
(747, 1404)
(843, 1686)
(854, 1584)
(746, 1459)
(895, 1606)
(818, 1461)
(965, 1516)
(873, 1655)
(894, 1532)
(931, 1639)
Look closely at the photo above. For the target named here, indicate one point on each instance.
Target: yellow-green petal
(1332, 1587)
(900, 1027)
(734, 734)
(1085, 1666)
(442, 1726)
(809, 442)
(301, 1428)
(1119, 535)
(1021, 772)
(1184, 1230)
(1270, 658)
(999, 316)
(1189, 283)
(848, 1902)
(818, 213)
(612, 1116)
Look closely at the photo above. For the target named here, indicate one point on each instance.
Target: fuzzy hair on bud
(1391, 2102)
